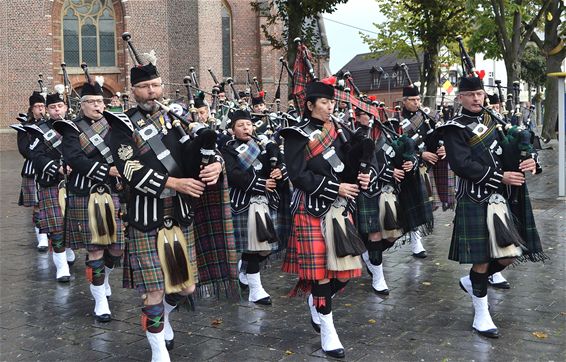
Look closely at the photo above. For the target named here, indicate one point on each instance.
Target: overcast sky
(345, 41)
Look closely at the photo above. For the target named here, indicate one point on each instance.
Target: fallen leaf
(540, 335)
(288, 353)
(427, 283)
(347, 304)
(372, 321)
(217, 322)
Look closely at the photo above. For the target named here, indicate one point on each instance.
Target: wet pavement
(426, 317)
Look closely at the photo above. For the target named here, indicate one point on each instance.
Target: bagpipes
(516, 145)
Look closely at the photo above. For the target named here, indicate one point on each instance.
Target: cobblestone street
(426, 317)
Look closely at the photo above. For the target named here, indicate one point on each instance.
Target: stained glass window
(89, 29)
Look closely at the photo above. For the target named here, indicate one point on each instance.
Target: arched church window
(89, 29)
(226, 41)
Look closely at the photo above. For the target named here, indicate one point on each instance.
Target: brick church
(37, 36)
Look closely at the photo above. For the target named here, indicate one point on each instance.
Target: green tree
(298, 18)
(419, 29)
(515, 22)
(554, 49)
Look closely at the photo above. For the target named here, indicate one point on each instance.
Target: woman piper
(325, 184)
(254, 172)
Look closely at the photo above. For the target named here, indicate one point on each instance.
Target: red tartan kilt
(306, 252)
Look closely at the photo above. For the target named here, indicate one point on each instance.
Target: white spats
(257, 292)
(312, 309)
(497, 278)
(416, 243)
(167, 329)
(159, 351)
(466, 284)
(378, 279)
(42, 240)
(328, 337)
(107, 288)
(70, 254)
(482, 319)
(101, 306)
(60, 261)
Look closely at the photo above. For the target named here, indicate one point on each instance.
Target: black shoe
(336, 353)
(264, 301)
(70, 263)
(380, 292)
(170, 344)
(502, 285)
(64, 279)
(490, 333)
(420, 255)
(42, 249)
(103, 318)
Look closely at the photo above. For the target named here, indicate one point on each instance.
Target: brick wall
(189, 34)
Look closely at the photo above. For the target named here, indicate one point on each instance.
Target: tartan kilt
(50, 216)
(368, 214)
(525, 223)
(240, 222)
(470, 236)
(77, 232)
(417, 212)
(306, 251)
(443, 185)
(142, 268)
(28, 192)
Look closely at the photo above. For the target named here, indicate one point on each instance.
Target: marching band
(190, 196)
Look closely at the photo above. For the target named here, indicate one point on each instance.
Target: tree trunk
(551, 96)
(553, 62)
(431, 78)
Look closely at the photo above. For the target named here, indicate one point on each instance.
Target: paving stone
(425, 318)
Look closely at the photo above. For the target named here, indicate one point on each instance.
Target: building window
(89, 30)
(226, 41)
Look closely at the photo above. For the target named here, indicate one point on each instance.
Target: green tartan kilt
(368, 214)
(240, 222)
(142, 268)
(77, 231)
(470, 236)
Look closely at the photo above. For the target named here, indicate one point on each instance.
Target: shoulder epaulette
(113, 117)
(60, 124)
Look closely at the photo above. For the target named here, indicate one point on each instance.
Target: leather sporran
(504, 239)
(389, 214)
(101, 215)
(174, 257)
(335, 232)
(261, 232)
(62, 196)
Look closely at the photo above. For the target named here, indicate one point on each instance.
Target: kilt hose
(306, 251)
(28, 192)
(50, 216)
(142, 268)
(77, 232)
(367, 218)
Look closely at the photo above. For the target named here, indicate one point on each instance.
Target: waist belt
(150, 134)
(96, 140)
